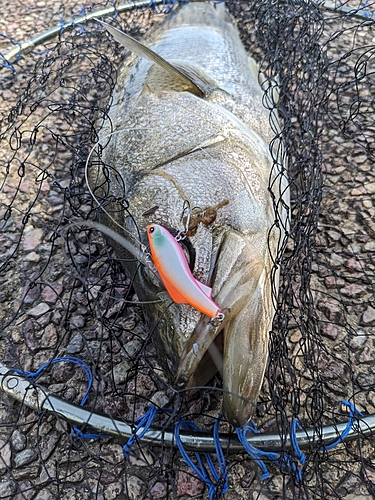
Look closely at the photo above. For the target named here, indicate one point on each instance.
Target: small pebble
(160, 399)
(77, 321)
(333, 311)
(48, 472)
(29, 334)
(113, 491)
(189, 485)
(329, 331)
(367, 355)
(370, 246)
(333, 282)
(5, 454)
(45, 495)
(18, 440)
(134, 488)
(143, 459)
(354, 265)
(49, 337)
(24, 457)
(368, 317)
(31, 294)
(120, 372)
(370, 187)
(358, 341)
(52, 294)
(355, 496)
(32, 239)
(336, 260)
(7, 489)
(159, 490)
(38, 310)
(25, 186)
(7, 94)
(62, 372)
(75, 345)
(260, 496)
(70, 394)
(357, 191)
(353, 290)
(44, 320)
(32, 257)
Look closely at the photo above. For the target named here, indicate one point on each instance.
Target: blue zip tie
(143, 424)
(223, 484)
(257, 454)
(252, 426)
(349, 425)
(201, 471)
(254, 453)
(65, 359)
(4, 62)
(81, 26)
(76, 432)
(368, 14)
(293, 437)
(221, 480)
(62, 23)
(301, 457)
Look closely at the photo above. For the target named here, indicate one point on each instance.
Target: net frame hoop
(40, 399)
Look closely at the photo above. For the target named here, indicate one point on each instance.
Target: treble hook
(182, 234)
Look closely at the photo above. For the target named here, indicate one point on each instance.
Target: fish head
(191, 347)
(238, 346)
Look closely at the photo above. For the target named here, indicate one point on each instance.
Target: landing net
(64, 295)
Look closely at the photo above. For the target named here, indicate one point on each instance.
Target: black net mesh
(64, 292)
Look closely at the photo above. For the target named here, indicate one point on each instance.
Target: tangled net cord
(143, 423)
(217, 482)
(23, 48)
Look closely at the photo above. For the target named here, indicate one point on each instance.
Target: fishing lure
(171, 263)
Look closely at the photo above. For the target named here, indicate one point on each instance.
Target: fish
(188, 141)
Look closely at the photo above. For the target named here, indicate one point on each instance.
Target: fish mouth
(238, 346)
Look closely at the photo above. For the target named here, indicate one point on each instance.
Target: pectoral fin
(190, 78)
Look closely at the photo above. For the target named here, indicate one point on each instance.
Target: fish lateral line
(173, 268)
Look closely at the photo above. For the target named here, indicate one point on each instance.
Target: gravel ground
(50, 307)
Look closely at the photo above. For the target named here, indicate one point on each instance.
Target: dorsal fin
(195, 83)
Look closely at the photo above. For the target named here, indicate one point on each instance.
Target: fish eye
(152, 229)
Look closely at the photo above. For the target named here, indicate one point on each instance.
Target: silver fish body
(205, 143)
